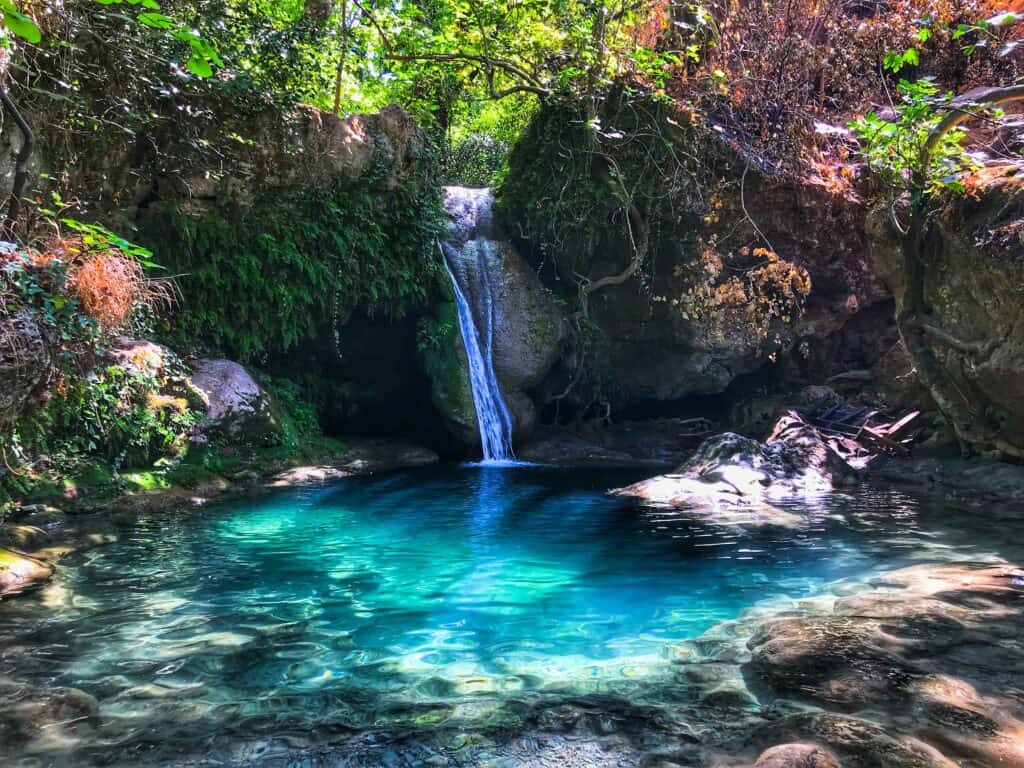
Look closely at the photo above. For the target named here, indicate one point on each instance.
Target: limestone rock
(658, 342)
(531, 325)
(933, 651)
(733, 473)
(238, 409)
(973, 288)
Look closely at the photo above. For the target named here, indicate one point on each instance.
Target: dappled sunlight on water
(445, 595)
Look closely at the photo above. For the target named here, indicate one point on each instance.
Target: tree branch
(530, 83)
(984, 98)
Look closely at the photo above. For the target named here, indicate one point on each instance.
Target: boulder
(238, 409)
(731, 473)
(18, 571)
(531, 325)
(24, 362)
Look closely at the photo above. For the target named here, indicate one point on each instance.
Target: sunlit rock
(731, 473)
(237, 407)
(797, 756)
(18, 571)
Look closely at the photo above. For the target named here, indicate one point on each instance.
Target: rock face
(238, 408)
(24, 363)
(730, 473)
(974, 291)
(702, 309)
(932, 650)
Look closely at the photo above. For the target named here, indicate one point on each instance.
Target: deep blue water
(416, 598)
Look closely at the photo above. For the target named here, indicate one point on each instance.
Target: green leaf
(198, 66)
(155, 20)
(22, 26)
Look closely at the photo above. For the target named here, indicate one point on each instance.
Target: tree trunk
(21, 165)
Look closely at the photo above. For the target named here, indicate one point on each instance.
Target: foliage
(779, 76)
(202, 55)
(300, 423)
(118, 412)
(82, 287)
(478, 160)
(43, 286)
(297, 262)
(996, 31)
(895, 148)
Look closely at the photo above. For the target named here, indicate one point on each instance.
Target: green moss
(440, 349)
(192, 476)
(145, 481)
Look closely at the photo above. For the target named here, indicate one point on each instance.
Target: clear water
(448, 595)
(469, 255)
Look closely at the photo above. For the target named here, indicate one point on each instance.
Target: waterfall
(469, 255)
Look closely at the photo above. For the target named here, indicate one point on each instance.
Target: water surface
(450, 596)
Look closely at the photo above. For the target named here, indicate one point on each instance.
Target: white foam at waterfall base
(475, 252)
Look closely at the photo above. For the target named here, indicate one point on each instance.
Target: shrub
(129, 415)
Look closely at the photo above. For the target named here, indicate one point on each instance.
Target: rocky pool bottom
(460, 615)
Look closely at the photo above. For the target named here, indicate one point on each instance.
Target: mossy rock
(444, 359)
(193, 476)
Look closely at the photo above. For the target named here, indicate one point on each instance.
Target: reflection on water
(443, 595)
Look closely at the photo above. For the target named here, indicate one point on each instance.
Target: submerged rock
(797, 755)
(856, 742)
(237, 407)
(730, 472)
(19, 571)
(27, 714)
(933, 651)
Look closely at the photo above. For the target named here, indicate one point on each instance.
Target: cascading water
(469, 254)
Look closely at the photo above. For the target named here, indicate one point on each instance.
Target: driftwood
(858, 433)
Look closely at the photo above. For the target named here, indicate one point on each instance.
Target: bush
(126, 414)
